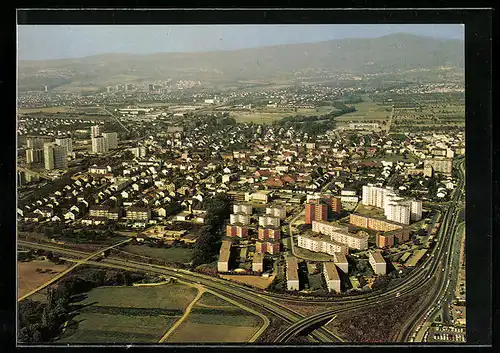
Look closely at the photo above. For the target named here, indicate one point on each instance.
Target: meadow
(128, 314)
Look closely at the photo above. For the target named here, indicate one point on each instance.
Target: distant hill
(388, 53)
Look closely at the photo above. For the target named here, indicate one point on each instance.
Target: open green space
(110, 328)
(182, 255)
(367, 111)
(127, 314)
(228, 324)
(44, 110)
(267, 115)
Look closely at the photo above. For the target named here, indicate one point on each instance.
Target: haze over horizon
(68, 42)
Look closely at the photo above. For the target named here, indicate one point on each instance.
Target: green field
(268, 115)
(43, 110)
(225, 323)
(128, 314)
(172, 254)
(367, 111)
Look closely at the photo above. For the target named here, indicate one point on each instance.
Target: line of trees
(207, 244)
(39, 322)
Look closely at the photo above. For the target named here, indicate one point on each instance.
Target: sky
(44, 42)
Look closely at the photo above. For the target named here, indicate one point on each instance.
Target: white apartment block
(244, 209)
(96, 130)
(321, 244)
(332, 278)
(66, 143)
(276, 211)
(99, 145)
(34, 155)
(341, 261)
(292, 274)
(240, 218)
(54, 156)
(111, 139)
(377, 262)
(340, 235)
(396, 208)
(266, 221)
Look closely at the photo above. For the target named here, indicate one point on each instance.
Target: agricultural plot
(221, 322)
(128, 314)
(43, 110)
(367, 111)
(28, 278)
(267, 115)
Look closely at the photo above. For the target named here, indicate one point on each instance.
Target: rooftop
(292, 268)
(377, 256)
(331, 271)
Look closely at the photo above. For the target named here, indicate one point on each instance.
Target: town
(298, 193)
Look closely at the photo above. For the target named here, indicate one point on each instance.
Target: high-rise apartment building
(35, 142)
(316, 210)
(67, 143)
(54, 156)
(96, 130)
(34, 155)
(111, 139)
(99, 145)
(440, 164)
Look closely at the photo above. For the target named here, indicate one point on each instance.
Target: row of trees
(207, 244)
(39, 322)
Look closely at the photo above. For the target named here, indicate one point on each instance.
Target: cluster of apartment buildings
(396, 209)
(102, 141)
(267, 229)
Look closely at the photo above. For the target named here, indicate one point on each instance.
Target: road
(233, 291)
(438, 269)
(449, 266)
(80, 262)
(272, 303)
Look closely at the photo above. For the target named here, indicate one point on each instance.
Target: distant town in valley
(255, 195)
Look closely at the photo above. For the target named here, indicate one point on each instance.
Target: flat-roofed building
(224, 256)
(239, 218)
(377, 262)
(111, 139)
(332, 278)
(373, 223)
(383, 240)
(243, 209)
(272, 233)
(34, 155)
(138, 213)
(67, 143)
(276, 211)
(341, 235)
(267, 246)
(292, 273)
(341, 261)
(320, 243)
(236, 230)
(440, 164)
(266, 221)
(316, 210)
(258, 262)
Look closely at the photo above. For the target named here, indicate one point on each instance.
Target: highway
(438, 269)
(442, 292)
(233, 291)
(272, 303)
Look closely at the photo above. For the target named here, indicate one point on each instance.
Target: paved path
(78, 263)
(183, 317)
